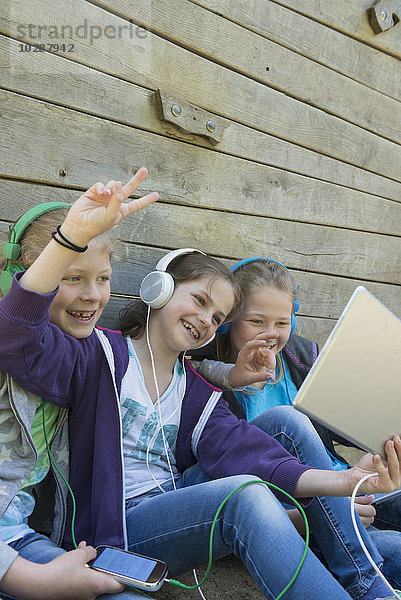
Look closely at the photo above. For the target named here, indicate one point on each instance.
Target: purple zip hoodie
(85, 375)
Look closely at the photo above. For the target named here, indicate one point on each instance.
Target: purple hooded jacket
(85, 375)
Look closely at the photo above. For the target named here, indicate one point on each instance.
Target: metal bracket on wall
(190, 118)
(384, 14)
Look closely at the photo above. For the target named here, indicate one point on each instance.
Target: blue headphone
(225, 328)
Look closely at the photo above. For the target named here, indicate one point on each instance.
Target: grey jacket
(18, 457)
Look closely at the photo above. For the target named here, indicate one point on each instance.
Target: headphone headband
(170, 256)
(11, 249)
(33, 213)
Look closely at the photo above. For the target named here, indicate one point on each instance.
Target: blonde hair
(251, 277)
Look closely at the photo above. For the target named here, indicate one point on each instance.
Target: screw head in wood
(176, 110)
(210, 126)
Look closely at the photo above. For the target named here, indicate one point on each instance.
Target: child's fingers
(131, 207)
(109, 187)
(267, 336)
(96, 189)
(386, 484)
(268, 358)
(365, 499)
(255, 344)
(134, 182)
(393, 463)
(99, 190)
(257, 377)
(397, 445)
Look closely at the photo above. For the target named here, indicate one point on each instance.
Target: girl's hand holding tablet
(388, 476)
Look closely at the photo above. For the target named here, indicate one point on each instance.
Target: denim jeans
(175, 527)
(39, 549)
(330, 516)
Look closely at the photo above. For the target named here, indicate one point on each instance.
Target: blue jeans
(331, 516)
(39, 549)
(175, 527)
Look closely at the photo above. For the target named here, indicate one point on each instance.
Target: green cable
(209, 566)
(74, 507)
(301, 510)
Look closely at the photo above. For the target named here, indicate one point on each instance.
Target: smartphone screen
(132, 568)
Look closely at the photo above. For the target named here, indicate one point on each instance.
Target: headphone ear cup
(156, 289)
(6, 277)
(224, 328)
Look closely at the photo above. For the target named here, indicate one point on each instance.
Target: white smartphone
(131, 569)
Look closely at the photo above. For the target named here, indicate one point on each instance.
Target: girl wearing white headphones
(147, 432)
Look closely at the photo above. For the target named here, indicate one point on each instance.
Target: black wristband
(66, 242)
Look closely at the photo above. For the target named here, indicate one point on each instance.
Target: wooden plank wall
(308, 168)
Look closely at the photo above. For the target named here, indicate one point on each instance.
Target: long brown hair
(184, 268)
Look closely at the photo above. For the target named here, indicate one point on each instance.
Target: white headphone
(158, 286)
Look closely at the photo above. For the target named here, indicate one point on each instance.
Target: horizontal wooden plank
(211, 86)
(133, 105)
(321, 296)
(309, 247)
(190, 175)
(350, 17)
(300, 246)
(286, 70)
(317, 41)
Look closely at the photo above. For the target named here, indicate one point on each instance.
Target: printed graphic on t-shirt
(147, 456)
(150, 434)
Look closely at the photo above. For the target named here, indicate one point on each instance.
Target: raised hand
(103, 206)
(255, 362)
(98, 209)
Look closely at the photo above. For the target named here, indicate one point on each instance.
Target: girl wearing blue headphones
(154, 451)
(262, 365)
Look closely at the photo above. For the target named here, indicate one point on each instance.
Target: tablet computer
(354, 387)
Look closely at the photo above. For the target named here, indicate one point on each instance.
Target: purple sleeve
(37, 354)
(231, 446)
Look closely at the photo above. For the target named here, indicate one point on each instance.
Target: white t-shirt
(141, 428)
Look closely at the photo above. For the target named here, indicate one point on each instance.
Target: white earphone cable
(161, 425)
(160, 420)
(370, 559)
